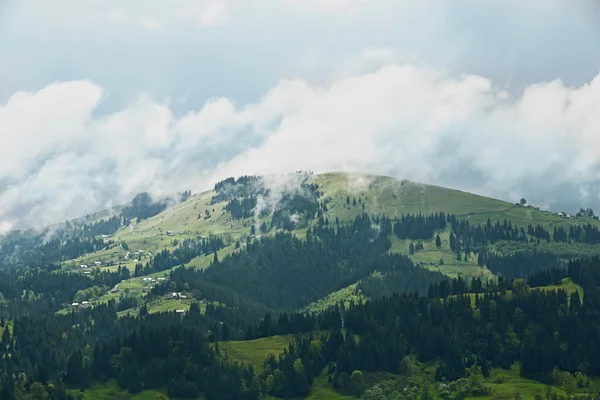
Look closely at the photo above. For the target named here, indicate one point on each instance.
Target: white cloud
(58, 159)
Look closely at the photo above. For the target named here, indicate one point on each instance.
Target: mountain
(347, 272)
(201, 216)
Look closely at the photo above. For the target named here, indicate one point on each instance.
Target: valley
(261, 264)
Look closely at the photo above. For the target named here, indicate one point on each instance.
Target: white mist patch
(357, 183)
(276, 186)
(295, 218)
(5, 227)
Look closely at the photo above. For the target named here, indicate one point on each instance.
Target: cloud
(59, 160)
(149, 14)
(460, 94)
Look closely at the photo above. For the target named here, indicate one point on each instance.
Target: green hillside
(380, 195)
(390, 196)
(347, 195)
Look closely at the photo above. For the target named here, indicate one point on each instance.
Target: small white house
(75, 305)
(97, 263)
(85, 303)
(180, 311)
(83, 266)
(87, 272)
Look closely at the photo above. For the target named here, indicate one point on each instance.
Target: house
(75, 305)
(85, 303)
(180, 311)
(161, 279)
(83, 266)
(183, 296)
(97, 263)
(87, 272)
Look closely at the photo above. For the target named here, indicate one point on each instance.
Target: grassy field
(506, 383)
(566, 284)
(390, 196)
(111, 391)
(184, 220)
(255, 351)
(347, 294)
(431, 254)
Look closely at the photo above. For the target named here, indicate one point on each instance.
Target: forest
(465, 326)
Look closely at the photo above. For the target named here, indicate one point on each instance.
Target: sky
(103, 99)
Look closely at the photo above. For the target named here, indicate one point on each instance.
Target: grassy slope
(566, 284)
(347, 294)
(393, 197)
(111, 391)
(504, 383)
(382, 195)
(151, 235)
(255, 351)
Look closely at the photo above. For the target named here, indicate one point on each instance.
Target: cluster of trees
(587, 233)
(36, 252)
(295, 210)
(522, 263)
(543, 331)
(142, 207)
(164, 350)
(186, 250)
(283, 272)
(185, 195)
(102, 227)
(244, 186)
(419, 226)
(242, 207)
(178, 357)
(477, 236)
(43, 292)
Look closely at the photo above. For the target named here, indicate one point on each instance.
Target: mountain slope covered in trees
(383, 289)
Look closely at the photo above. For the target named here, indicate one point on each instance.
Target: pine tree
(6, 336)
(438, 241)
(452, 241)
